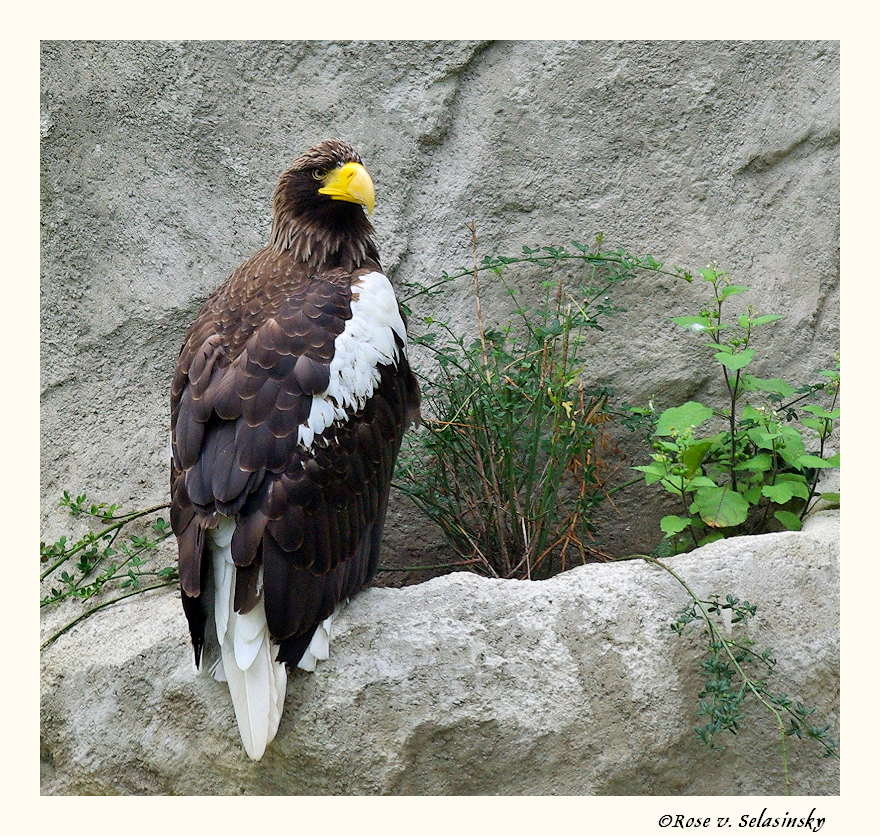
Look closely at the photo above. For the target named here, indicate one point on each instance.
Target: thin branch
(100, 535)
(543, 261)
(98, 607)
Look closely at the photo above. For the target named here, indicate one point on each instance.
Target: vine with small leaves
(728, 667)
(548, 255)
(105, 560)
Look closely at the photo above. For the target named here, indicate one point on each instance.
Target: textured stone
(159, 159)
(464, 685)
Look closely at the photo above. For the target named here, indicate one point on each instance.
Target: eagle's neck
(340, 237)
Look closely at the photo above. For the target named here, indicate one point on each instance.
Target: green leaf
(673, 525)
(775, 385)
(817, 424)
(765, 319)
(710, 538)
(791, 521)
(718, 438)
(792, 449)
(673, 484)
(752, 494)
(689, 321)
(732, 289)
(761, 438)
(721, 507)
(752, 414)
(815, 461)
(819, 412)
(699, 482)
(792, 477)
(759, 463)
(653, 472)
(784, 491)
(708, 274)
(735, 361)
(694, 455)
(679, 418)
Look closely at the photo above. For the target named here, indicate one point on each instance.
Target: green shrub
(506, 463)
(753, 464)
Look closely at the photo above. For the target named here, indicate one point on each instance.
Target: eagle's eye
(319, 173)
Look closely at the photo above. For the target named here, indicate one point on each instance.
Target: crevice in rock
(799, 148)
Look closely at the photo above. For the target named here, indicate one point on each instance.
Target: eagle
(289, 401)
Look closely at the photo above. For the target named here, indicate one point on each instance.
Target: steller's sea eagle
(289, 401)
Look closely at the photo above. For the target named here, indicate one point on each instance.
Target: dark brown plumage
(257, 354)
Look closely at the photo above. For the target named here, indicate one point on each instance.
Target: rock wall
(464, 685)
(159, 159)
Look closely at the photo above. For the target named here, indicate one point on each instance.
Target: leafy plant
(506, 465)
(104, 561)
(744, 467)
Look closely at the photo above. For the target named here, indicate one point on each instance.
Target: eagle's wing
(289, 402)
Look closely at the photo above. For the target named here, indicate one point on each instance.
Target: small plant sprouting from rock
(754, 471)
(735, 672)
(103, 561)
(507, 463)
(729, 682)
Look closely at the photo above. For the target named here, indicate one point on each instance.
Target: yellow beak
(352, 183)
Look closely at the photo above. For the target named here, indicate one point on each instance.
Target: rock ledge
(462, 685)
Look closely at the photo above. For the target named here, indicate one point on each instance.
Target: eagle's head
(319, 202)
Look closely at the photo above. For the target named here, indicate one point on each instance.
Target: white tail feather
(217, 671)
(307, 662)
(320, 644)
(319, 647)
(249, 635)
(257, 683)
(253, 695)
(223, 582)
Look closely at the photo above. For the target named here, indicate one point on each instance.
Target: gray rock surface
(464, 685)
(159, 160)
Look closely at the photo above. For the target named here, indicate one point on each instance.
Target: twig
(100, 535)
(98, 607)
(542, 260)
